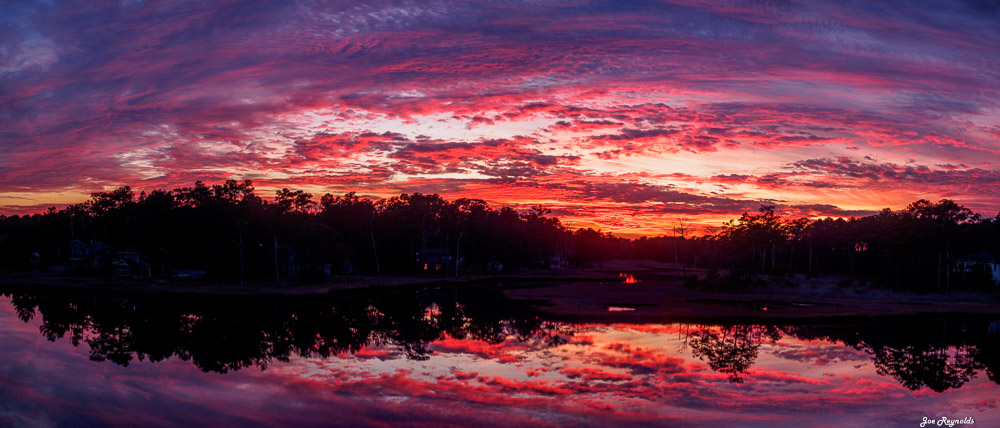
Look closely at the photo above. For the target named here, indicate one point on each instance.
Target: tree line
(916, 248)
(230, 233)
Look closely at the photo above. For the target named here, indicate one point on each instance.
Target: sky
(625, 116)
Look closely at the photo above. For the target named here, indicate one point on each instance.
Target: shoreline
(589, 299)
(282, 288)
(664, 301)
(585, 295)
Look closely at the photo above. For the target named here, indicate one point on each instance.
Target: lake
(470, 357)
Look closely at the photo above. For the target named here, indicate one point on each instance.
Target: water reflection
(419, 354)
(730, 349)
(224, 334)
(939, 354)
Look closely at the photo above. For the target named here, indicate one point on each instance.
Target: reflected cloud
(468, 356)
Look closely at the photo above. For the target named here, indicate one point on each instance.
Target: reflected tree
(937, 368)
(732, 350)
(223, 335)
(939, 354)
(227, 334)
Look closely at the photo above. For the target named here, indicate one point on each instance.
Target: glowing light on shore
(628, 278)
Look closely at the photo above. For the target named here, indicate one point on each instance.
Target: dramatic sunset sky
(623, 116)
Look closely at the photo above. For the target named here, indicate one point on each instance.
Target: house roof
(980, 257)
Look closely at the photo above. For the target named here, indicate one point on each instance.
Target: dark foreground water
(471, 358)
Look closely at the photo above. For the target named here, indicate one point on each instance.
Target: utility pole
(378, 267)
(276, 276)
(241, 259)
(680, 226)
(458, 247)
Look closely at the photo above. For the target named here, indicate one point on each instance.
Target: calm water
(470, 357)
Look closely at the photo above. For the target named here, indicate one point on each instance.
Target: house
(190, 274)
(349, 267)
(558, 262)
(92, 257)
(433, 260)
(135, 265)
(128, 265)
(123, 269)
(981, 263)
(93, 252)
